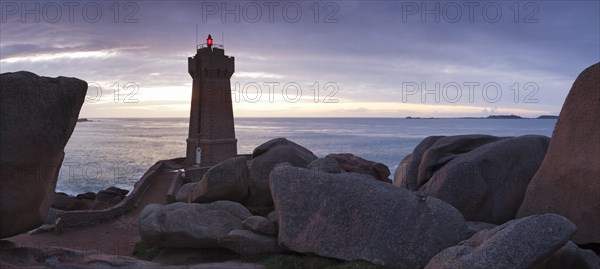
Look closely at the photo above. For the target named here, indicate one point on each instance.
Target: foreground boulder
(264, 158)
(352, 217)
(227, 180)
(37, 117)
(517, 244)
(190, 225)
(355, 164)
(568, 181)
(484, 177)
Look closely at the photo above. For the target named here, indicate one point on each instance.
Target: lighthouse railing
(204, 45)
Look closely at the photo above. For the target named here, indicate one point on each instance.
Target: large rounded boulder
(350, 216)
(568, 180)
(190, 225)
(228, 180)
(484, 177)
(37, 118)
(517, 244)
(264, 158)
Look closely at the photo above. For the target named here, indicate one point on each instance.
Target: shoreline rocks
(104, 199)
(354, 164)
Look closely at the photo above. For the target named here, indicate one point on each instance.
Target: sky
(312, 59)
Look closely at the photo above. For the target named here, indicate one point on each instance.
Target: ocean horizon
(104, 152)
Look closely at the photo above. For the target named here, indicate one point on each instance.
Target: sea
(107, 152)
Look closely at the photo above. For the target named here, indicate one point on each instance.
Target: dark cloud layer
(369, 48)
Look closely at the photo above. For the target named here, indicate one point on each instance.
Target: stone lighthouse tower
(211, 136)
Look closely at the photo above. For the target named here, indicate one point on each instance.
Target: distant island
(511, 116)
(83, 120)
(548, 117)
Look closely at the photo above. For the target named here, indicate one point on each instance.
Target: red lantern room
(209, 41)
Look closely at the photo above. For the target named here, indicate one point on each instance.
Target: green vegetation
(296, 261)
(144, 251)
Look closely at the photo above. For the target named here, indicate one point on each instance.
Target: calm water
(116, 152)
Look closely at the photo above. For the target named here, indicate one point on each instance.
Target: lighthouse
(211, 137)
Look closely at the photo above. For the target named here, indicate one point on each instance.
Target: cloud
(368, 50)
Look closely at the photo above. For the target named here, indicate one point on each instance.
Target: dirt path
(115, 237)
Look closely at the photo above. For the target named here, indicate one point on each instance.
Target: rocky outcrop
(408, 170)
(260, 225)
(248, 243)
(568, 181)
(350, 216)
(37, 117)
(227, 180)
(326, 165)
(484, 177)
(517, 244)
(351, 163)
(264, 158)
(190, 225)
(431, 154)
(111, 195)
(89, 201)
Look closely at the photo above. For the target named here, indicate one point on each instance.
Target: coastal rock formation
(432, 153)
(227, 180)
(326, 165)
(408, 170)
(37, 117)
(264, 158)
(484, 177)
(248, 243)
(517, 244)
(568, 181)
(111, 195)
(189, 224)
(260, 225)
(351, 163)
(349, 216)
(89, 201)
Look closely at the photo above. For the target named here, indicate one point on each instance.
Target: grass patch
(297, 261)
(144, 251)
